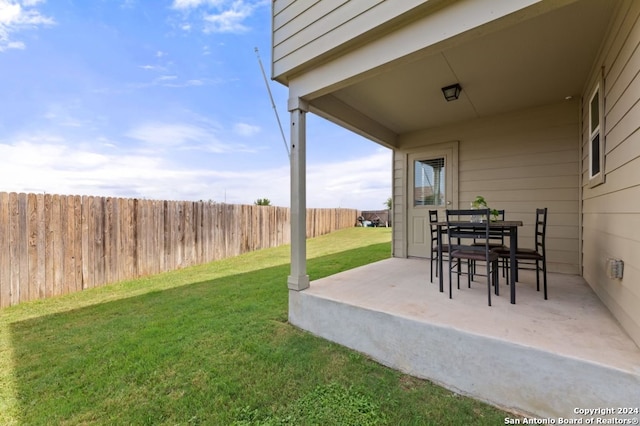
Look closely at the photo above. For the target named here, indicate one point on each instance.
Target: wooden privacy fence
(55, 244)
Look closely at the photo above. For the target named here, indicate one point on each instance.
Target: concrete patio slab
(544, 358)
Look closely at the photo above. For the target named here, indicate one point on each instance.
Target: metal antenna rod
(266, 82)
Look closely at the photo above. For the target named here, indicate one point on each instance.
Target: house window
(429, 181)
(596, 137)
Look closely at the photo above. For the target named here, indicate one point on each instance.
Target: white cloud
(192, 4)
(41, 163)
(171, 81)
(171, 135)
(126, 4)
(9, 13)
(247, 130)
(66, 114)
(183, 136)
(168, 80)
(54, 167)
(12, 45)
(188, 83)
(48, 164)
(150, 67)
(229, 20)
(218, 16)
(364, 183)
(16, 16)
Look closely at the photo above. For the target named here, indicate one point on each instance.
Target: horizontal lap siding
(519, 162)
(52, 245)
(530, 163)
(303, 31)
(611, 211)
(398, 210)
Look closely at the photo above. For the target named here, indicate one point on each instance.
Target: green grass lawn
(209, 345)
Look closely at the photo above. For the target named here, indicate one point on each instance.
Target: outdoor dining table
(507, 227)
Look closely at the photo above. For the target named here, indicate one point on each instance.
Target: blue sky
(162, 100)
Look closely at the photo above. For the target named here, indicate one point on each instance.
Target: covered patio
(541, 358)
(547, 92)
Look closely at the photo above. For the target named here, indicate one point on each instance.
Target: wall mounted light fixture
(451, 93)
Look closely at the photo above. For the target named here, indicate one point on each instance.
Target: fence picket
(77, 242)
(129, 236)
(14, 239)
(56, 244)
(35, 245)
(23, 248)
(66, 249)
(86, 276)
(5, 265)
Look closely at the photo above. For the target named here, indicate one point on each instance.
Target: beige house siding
(304, 30)
(308, 35)
(518, 162)
(611, 220)
(399, 207)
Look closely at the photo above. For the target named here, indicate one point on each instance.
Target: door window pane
(428, 183)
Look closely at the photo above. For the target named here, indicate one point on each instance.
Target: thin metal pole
(266, 82)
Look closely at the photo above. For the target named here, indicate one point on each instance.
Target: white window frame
(596, 131)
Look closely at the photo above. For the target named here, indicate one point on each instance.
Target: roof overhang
(537, 59)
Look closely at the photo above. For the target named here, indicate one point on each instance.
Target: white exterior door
(432, 185)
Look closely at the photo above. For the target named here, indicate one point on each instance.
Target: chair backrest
(433, 218)
(457, 234)
(541, 230)
(498, 234)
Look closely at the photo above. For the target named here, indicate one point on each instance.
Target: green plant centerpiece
(481, 203)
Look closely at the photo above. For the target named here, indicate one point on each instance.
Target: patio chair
(461, 233)
(532, 258)
(433, 219)
(496, 238)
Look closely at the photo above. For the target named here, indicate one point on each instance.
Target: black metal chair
(496, 238)
(461, 248)
(433, 218)
(532, 258)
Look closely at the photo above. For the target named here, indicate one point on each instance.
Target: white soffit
(538, 61)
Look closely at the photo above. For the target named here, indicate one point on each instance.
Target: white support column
(298, 280)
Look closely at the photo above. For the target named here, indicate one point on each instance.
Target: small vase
(476, 218)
